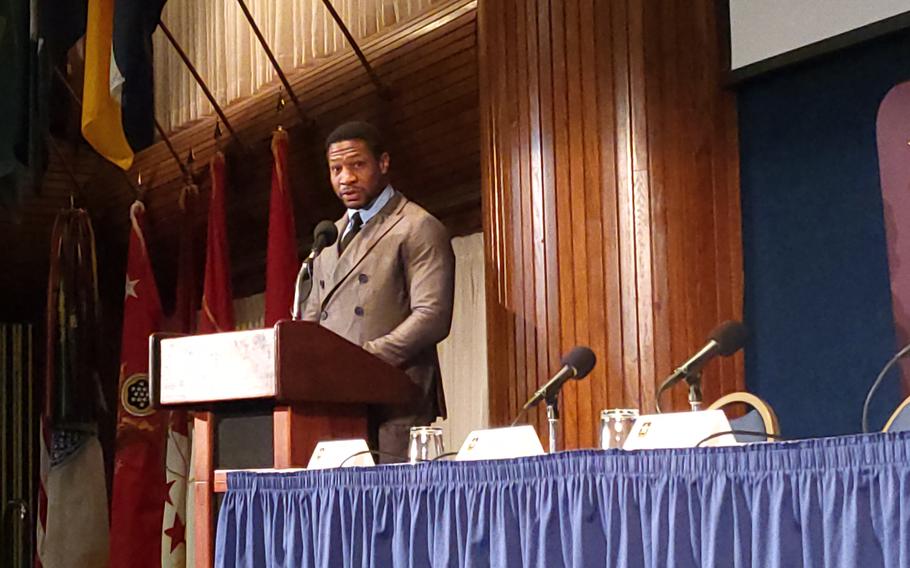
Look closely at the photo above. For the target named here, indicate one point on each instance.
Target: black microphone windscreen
(730, 337)
(582, 359)
(327, 232)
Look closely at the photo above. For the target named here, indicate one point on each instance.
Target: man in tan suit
(388, 283)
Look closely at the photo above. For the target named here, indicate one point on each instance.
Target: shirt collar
(375, 207)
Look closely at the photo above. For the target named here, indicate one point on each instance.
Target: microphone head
(325, 233)
(580, 358)
(730, 337)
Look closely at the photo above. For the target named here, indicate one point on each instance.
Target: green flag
(14, 83)
(34, 36)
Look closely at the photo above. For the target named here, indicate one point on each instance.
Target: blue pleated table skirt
(816, 503)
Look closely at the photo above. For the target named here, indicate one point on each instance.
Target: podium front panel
(218, 367)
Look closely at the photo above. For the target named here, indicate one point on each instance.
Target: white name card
(679, 430)
(500, 443)
(335, 453)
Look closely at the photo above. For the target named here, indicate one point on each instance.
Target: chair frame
(769, 418)
(895, 414)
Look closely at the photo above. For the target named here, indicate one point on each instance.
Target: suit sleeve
(429, 265)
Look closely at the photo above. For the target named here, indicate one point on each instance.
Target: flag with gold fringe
(281, 260)
(217, 307)
(72, 524)
(176, 541)
(217, 310)
(118, 94)
(139, 490)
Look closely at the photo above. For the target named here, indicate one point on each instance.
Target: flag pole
(69, 170)
(384, 91)
(158, 127)
(170, 146)
(273, 60)
(199, 80)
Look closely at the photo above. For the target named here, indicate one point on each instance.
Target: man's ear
(384, 163)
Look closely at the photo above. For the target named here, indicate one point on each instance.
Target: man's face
(357, 175)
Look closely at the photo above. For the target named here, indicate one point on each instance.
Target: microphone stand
(695, 399)
(553, 420)
(300, 296)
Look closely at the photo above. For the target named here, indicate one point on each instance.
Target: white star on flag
(130, 287)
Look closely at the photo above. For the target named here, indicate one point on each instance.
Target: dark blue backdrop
(817, 294)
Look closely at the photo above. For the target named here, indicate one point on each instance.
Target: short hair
(358, 130)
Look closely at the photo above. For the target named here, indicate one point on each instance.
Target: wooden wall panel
(611, 200)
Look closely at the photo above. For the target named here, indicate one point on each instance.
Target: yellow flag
(102, 120)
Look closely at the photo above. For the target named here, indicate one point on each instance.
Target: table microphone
(725, 340)
(576, 365)
(325, 234)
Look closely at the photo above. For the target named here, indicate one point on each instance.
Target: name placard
(679, 430)
(340, 453)
(500, 444)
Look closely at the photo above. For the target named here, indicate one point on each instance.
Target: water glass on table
(425, 444)
(615, 425)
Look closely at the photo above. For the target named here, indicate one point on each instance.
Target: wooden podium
(317, 384)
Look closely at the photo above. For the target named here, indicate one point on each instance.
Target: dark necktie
(356, 223)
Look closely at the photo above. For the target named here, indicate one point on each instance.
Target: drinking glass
(615, 425)
(425, 444)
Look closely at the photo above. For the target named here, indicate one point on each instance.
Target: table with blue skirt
(826, 502)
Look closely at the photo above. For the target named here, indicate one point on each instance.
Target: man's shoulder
(419, 216)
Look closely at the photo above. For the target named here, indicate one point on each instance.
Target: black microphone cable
(403, 459)
(519, 416)
(740, 432)
(444, 456)
(878, 382)
(664, 387)
(375, 453)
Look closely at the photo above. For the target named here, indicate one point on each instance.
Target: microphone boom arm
(325, 234)
(300, 295)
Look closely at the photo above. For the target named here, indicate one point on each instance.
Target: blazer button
(324, 315)
(358, 311)
(362, 279)
(322, 283)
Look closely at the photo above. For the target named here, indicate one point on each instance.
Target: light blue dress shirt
(367, 213)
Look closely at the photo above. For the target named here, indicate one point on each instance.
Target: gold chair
(761, 415)
(900, 418)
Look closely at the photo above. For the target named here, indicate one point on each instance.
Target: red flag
(217, 311)
(281, 263)
(183, 320)
(139, 490)
(72, 527)
(175, 538)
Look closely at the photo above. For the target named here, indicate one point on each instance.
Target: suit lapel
(363, 243)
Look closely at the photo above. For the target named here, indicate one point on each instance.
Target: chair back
(760, 418)
(900, 418)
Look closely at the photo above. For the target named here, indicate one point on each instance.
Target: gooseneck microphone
(325, 234)
(576, 365)
(725, 340)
